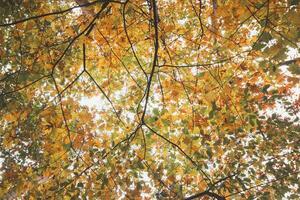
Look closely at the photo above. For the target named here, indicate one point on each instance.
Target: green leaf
(214, 108)
(67, 146)
(294, 69)
(266, 37)
(294, 2)
(156, 111)
(265, 88)
(104, 181)
(258, 46)
(200, 74)
(80, 184)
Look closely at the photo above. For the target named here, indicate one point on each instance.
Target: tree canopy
(149, 99)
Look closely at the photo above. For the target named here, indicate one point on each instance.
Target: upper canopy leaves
(146, 98)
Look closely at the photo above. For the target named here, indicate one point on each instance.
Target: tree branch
(205, 193)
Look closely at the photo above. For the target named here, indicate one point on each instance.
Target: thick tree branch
(205, 193)
(155, 57)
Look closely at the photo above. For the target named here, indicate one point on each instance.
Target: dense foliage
(145, 99)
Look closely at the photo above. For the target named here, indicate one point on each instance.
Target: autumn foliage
(149, 99)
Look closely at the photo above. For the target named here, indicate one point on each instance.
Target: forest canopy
(149, 99)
